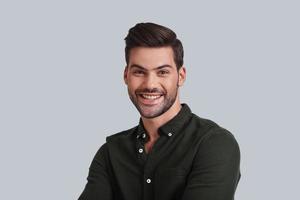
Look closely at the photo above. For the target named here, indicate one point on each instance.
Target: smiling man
(172, 153)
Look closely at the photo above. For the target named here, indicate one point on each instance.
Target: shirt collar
(173, 126)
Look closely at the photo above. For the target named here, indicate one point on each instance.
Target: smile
(149, 96)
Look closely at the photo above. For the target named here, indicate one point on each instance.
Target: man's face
(152, 80)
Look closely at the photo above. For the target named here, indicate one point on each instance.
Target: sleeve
(98, 185)
(216, 168)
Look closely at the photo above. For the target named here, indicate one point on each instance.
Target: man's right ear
(125, 75)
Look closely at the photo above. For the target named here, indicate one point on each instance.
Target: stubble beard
(167, 103)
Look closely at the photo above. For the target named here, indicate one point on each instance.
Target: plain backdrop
(62, 90)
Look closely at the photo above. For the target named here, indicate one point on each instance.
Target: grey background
(61, 87)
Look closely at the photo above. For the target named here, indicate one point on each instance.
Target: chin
(151, 114)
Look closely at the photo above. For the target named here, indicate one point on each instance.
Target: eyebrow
(159, 67)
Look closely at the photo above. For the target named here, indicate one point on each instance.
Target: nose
(150, 81)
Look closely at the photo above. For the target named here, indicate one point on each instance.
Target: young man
(172, 153)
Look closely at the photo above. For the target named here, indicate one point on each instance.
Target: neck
(152, 125)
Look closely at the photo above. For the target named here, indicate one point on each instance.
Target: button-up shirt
(193, 159)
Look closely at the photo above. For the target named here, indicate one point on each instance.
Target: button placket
(148, 180)
(148, 186)
(141, 150)
(141, 156)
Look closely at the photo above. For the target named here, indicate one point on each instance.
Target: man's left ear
(182, 75)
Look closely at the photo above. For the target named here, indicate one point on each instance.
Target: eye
(163, 72)
(138, 72)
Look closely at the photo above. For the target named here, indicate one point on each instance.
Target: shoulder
(121, 135)
(219, 144)
(220, 137)
(214, 135)
(112, 140)
(201, 122)
(202, 126)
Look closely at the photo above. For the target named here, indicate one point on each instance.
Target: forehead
(150, 57)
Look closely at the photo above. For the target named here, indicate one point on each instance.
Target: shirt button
(170, 134)
(141, 150)
(148, 180)
(137, 136)
(144, 135)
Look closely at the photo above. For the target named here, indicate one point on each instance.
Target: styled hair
(154, 35)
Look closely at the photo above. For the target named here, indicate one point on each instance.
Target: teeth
(150, 96)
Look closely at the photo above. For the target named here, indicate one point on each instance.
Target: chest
(149, 146)
(155, 170)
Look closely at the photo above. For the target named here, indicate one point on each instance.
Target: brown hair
(153, 35)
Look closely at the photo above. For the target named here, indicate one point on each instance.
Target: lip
(150, 102)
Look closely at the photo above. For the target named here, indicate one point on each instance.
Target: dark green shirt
(193, 159)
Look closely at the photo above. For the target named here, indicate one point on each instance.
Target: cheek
(133, 84)
(172, 82)
(170, 85)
